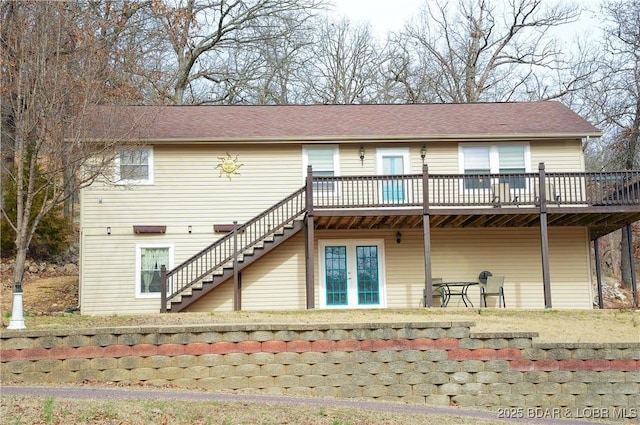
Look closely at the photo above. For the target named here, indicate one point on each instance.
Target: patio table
(459, 289)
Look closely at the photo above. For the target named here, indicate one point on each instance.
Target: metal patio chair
(493, 287)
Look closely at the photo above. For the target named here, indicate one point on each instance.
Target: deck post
(596, 254)
(237, 283)
(309, 237)
(428, 284)
(634, 286)
(544, 237)
(163, 289)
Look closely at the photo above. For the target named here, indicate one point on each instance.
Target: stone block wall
(434, 363)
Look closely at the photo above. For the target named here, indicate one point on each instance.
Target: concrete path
(531, 416)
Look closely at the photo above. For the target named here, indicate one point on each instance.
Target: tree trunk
(18, 268)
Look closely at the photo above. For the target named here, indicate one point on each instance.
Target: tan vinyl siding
(108, 284)
(461, 254)
(350, 164)
(109, 270)
(570, 264)
(186, 179)
(558, 156)
(275, 282)
(278, 281)
(188, 190)
(442, 158)
(220, 299)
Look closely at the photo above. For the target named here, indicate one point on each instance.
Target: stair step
(224, 271)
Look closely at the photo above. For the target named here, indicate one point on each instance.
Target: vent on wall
(149, 229)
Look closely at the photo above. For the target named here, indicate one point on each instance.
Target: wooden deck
(603, 202)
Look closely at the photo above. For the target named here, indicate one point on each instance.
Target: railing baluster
(600, 188)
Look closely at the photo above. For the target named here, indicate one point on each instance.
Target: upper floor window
(135, 166)
(494, 159)
(324, 163)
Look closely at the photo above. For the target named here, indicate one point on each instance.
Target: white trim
(351, 265)
(494, 163)
(139, 247)
(305, 158)
(494, 160)
(381, 152)
(147, 181)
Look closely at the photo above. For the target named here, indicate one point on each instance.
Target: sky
(391, 15)
(379, 13)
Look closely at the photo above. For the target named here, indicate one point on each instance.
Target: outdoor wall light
(362, 155)
(398, 237)
(190, 229)
(423, 153)
(108, 230)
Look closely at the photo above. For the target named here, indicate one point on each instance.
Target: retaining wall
(434, 363)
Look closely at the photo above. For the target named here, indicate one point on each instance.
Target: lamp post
(17, 315)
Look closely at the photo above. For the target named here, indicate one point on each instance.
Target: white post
(17, 316)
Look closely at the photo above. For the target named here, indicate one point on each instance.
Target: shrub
(53, 235)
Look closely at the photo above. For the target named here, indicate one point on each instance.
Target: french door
(393, 162)
(351, 274)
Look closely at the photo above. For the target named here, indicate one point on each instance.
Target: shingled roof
(469, 121)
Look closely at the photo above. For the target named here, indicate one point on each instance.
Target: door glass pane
(367, 270)
(392, 164)
(336, 274)
(393, 190)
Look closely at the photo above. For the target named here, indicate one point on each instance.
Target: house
(344, 206)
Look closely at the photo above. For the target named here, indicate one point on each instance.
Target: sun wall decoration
(228, 165)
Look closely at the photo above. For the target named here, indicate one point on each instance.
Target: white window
(149, 260)
(135, 166)
(494, 159)
(324, 161)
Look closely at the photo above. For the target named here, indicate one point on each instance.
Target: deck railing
(424, 190)
(478, 190)
(368, 191)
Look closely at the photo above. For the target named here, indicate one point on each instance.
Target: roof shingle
(544, 119)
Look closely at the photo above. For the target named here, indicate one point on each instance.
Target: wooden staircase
(243, 246)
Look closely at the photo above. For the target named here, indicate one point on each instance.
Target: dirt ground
(46, 293)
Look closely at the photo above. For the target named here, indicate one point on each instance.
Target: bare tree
(617, 97)
(201, 34)
(52, 70)
(486, 51)
(344, 66)
(264, 73)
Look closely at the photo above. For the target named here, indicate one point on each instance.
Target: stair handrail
(221, 252)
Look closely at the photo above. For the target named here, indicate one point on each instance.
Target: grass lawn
(594, 326)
